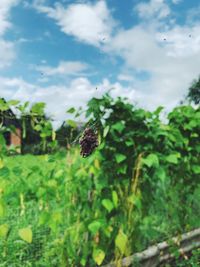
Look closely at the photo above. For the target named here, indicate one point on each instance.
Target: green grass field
(33, 196)
(40, 212)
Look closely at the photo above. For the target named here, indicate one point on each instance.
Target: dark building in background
(13, 136)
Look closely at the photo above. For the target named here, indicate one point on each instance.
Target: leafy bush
(140, 186)
(148, 179)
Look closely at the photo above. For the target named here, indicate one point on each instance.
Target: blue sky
(61, 51)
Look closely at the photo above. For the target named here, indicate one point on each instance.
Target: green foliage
(121, 242)
(26, 234)
(38, 109)
(140, 186)
(151, 166)
(188, 260)
(71, 110)
(194, 92)
(66, 134)
(38, 135)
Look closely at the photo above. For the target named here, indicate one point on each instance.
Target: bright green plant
(140, 186)
(148, 171)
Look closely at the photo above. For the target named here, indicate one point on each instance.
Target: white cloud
(5, 7)
(153, 9)
(169, 53)
(172, 64)
(8, 84)
(60, 97)
(7, 53)
(64, 68)
(87, 22)
(176, 1)
(192, 15)
(182, 41)
(125, 77)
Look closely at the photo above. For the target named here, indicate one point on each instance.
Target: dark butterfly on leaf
(88, 142)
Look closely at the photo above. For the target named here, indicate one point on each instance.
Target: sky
(66, 52)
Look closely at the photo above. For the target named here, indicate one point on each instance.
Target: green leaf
(53, 135)
(196, 169)
(44, 218)
(135, 200)
(107, 203)
(121, 241)
(119, 126)
(94, 227)
(173, 158)
(13, 102)
(151, 160)
(59, 173)
(129, 143)
(2, 209)
(26, 234)
(56, 217)
(3, 230)
(83, 261)
(106, 130)
(122, 169)
(3, 105)
(192, 124)
(132, 198)
(120, 157)
(158, 110)
(23, 107)
(194, 135)
(98, 255)
(72, 123)
(38, 128)
(38, 108)
(1, 163)
(115, 198)
(161, 174)
(71, 110)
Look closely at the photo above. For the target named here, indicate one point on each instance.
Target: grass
(33, 194)
(42, 193)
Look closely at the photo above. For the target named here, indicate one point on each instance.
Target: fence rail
(160, 253)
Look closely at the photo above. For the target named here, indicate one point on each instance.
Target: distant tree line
(194, 92)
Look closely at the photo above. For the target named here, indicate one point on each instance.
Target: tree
(194, 92)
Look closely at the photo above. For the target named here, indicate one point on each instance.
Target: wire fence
(14, 251)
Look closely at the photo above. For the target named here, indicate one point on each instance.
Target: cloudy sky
(65, 52)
